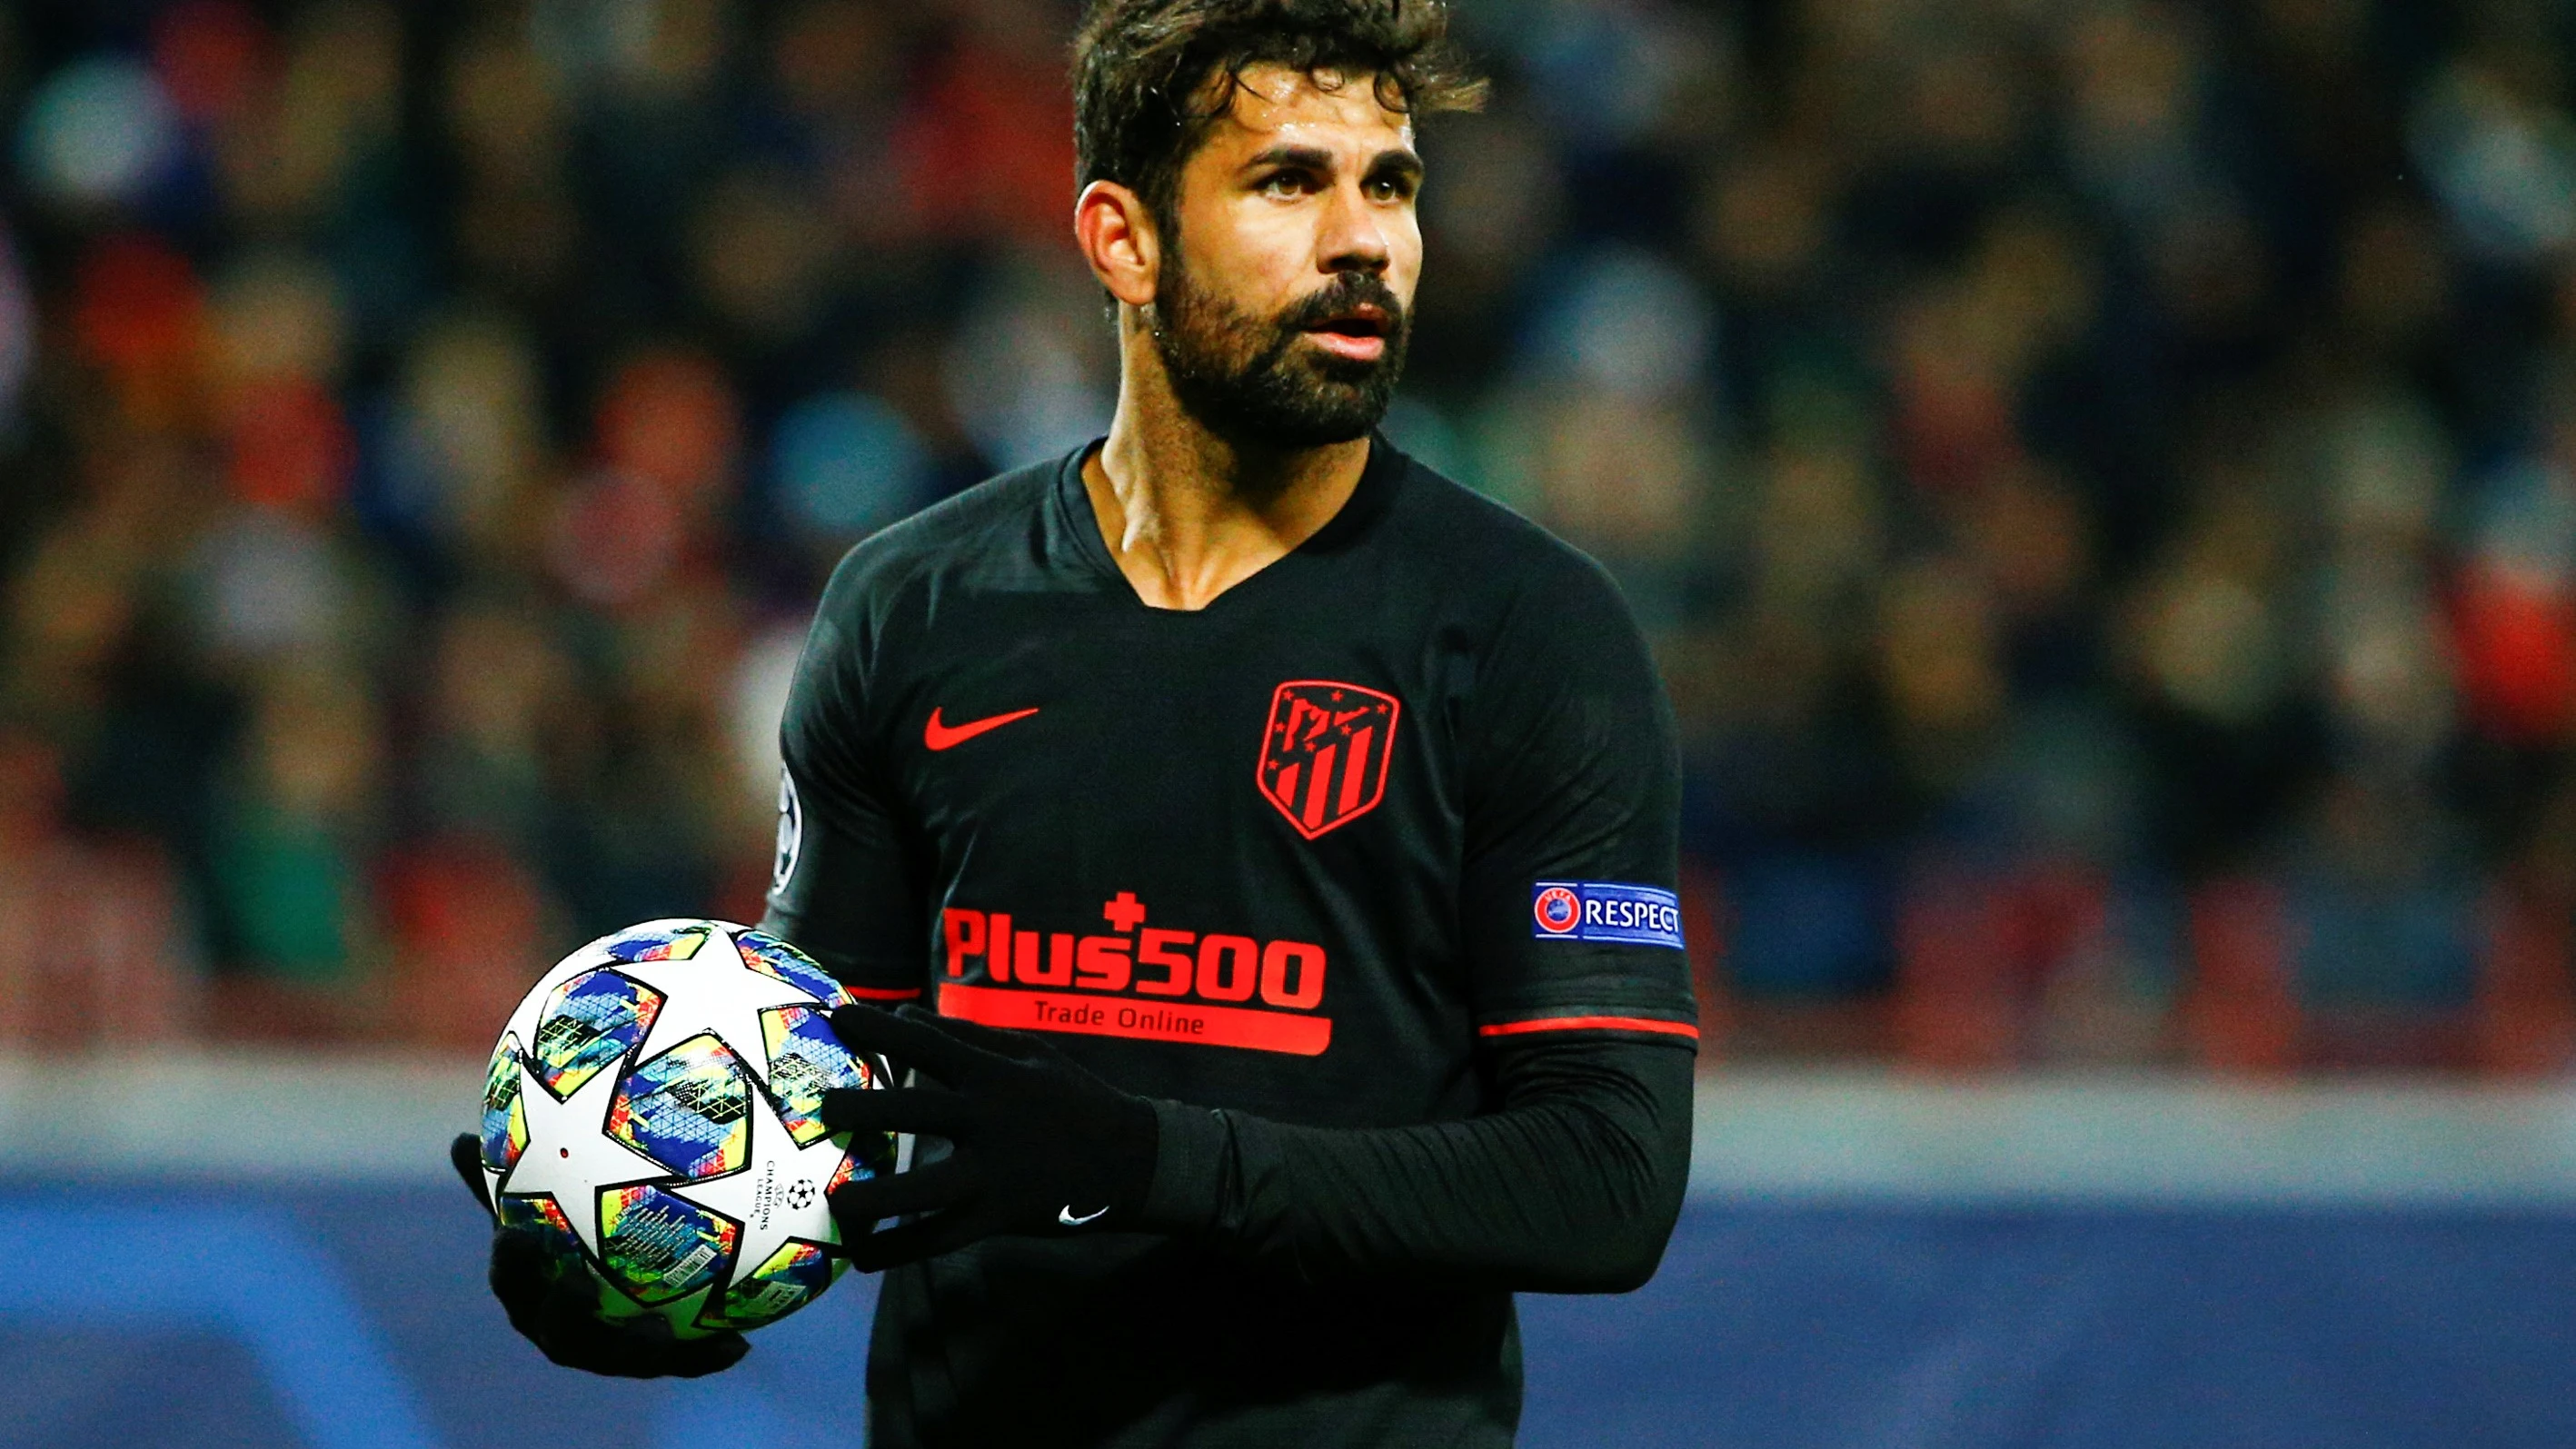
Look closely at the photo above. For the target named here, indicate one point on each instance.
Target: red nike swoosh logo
(948, 737)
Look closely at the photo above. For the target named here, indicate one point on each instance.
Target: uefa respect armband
(1595, 910)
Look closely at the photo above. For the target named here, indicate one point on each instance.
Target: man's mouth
(1359, 334)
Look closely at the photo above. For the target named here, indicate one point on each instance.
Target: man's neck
(1188, 514)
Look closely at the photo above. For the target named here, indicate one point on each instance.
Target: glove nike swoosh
(1065, 1216)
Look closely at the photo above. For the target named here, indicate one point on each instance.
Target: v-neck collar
(1080, 523)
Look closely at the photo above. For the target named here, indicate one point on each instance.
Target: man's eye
(1393, 188)
(1286, 183)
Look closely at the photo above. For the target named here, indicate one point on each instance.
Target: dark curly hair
(1151, 76)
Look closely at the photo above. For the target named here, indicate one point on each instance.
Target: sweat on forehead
(1270, 97)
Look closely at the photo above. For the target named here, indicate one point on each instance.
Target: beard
(1254, 380)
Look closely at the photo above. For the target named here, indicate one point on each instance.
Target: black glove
(1042, 1146)
(553, 1300)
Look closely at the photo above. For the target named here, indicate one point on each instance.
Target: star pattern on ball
(715, 991)
(738, 1194)
(570, 1157)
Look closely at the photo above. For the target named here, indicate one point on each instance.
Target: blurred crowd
(2100, 476)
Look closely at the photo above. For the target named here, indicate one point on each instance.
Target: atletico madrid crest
(1326, 752)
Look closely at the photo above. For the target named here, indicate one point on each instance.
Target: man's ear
(1116, 232)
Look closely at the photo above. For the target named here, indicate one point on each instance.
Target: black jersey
(1365, 872)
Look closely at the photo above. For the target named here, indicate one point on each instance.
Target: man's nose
(1354, 240)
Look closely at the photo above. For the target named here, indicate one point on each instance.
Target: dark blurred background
(2098, 476)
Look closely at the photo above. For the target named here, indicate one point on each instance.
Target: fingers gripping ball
(653, 1116)
(1038, 1145)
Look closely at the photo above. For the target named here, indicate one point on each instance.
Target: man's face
(1285, 303)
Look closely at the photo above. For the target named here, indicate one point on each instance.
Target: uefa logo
(1557, 911)
(791, 832)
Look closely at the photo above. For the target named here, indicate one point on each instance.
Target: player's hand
(553, 1301)
(1042, 1146)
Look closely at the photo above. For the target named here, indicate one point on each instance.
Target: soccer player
(1270, 844)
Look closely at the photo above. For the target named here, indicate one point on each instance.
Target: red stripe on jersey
(1180, 1021)
(881, 993)
(1591, 1023)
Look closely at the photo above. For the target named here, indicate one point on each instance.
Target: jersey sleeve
(845, 887)
(1569, 897)
(1572, 1186)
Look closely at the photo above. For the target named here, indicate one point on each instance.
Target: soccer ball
(653, 1104)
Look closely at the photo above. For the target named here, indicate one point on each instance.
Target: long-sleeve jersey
(1365, 874)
